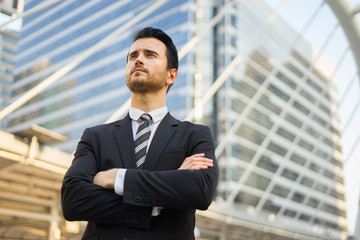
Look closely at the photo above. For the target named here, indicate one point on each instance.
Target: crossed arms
(87, 193)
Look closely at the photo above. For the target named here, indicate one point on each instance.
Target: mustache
(139, 68)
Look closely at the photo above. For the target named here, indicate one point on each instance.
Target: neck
(148, 102)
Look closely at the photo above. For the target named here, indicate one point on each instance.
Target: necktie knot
(146, 117)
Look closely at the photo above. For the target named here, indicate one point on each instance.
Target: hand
(196, 162)
(106, 179)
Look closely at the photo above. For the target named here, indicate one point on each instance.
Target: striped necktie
(142, 139)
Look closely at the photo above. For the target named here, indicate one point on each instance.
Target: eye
(151, 55)
(132, 57)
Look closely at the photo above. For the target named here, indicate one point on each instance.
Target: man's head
(171, 52)
(151, 49)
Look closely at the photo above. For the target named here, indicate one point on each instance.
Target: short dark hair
(171, 52)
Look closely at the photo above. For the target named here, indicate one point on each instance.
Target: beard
(146, 83)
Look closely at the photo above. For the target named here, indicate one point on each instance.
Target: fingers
(106, 178)
(196, 162)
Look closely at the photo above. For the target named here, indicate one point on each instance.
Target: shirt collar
(156, 115)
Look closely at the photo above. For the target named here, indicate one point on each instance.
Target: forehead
(152, 44)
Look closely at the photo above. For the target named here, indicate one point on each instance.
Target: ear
(172, 75)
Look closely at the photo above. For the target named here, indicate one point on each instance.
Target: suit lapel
(124, 139)
(163, 134)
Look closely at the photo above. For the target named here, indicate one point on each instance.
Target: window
(325, 109)
(328, 142)
(312, 84)
(305, 217)
(233, 41)
(293, 120)
(237, 105)
(302, 143)
(233, 20)
(260, 118)
(312, 202)
(333, 210)
(312, 132)
(297, 159)
(265, 101)
(335, 162)
(322, 154)
(285, 134)
(242, 152)
(244, 88)
(247, 198)
(271, 207)
(290, 213)
(267, 164)
(319, 120)
(314, 167)
(254, 74)
(336, 194)
(250, 134)
(329, 175)
(289, 174)
(286, 80)
(321, 188)
(301, 108)
(236, 173)
(257, 181)
(261, 59)
(307, 182)
(334, 129)
(277, 149)
(307, 95)
(280, 191)
(298, 197)
(277, 92)
(294, 69)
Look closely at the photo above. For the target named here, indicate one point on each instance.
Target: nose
(139, 60)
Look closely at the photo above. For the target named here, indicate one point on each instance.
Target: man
(142, 177)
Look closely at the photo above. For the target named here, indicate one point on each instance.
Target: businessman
(144, 176)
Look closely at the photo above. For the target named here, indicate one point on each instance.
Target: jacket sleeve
(82, 200)
(176, 189)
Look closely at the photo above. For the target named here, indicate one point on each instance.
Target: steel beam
(348, 22)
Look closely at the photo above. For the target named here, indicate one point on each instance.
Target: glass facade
(274, 119)
(93, 91)
(8, 41)
(278, 127)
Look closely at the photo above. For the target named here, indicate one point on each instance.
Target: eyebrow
(145, 50)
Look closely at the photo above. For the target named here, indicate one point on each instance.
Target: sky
(297, 14)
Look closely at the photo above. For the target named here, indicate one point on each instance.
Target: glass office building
(274, 119)
(8, 41)
(95, 89)
(278, 126)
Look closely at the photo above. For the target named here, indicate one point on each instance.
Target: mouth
(138, 70)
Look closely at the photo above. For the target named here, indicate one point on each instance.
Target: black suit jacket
(158, 183)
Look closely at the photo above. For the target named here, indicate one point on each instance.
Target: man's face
(146, 69)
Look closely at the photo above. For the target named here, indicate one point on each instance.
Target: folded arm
(84, 201)
(178, 189)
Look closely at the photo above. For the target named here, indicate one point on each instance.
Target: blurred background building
(8, 41)
(270, 95)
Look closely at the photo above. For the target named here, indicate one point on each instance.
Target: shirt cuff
(155, 211)
(119, 181)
